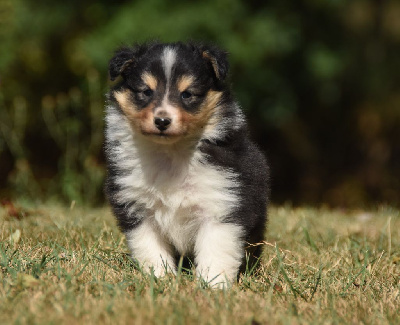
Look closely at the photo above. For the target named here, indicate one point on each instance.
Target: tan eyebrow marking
(150, 80)
(184, 82)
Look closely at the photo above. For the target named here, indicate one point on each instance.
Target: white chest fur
(173, 187)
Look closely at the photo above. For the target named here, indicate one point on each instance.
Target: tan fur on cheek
(212, 99)
(141, 120)
(196, 122)
(126, 105)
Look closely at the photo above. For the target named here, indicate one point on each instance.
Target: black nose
(162, 123)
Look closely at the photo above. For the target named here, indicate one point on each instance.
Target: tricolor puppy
(184, 179)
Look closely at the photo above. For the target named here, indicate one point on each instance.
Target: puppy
(184, 179)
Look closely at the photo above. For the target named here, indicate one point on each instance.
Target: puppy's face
(169, 91)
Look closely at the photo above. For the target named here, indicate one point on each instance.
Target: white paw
(217, 280)
(159, 269)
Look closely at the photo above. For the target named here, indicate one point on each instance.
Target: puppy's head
(169, 91)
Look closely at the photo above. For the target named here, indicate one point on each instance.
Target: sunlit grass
(319, 266)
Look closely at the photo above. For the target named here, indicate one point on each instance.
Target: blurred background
(319, 81)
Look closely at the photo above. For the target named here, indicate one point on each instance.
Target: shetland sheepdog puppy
(184, 178)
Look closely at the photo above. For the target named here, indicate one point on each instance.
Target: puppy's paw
(217, 281)
(158, 270)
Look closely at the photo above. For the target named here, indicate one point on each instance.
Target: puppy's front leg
(151, 249)
(218, 253)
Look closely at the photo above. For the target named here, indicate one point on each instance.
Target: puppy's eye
(148, 92)
(186, 94)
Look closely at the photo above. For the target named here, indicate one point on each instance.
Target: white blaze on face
(168, 60)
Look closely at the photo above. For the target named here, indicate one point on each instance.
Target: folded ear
(218, 60)
(125, 58)
(121, 61)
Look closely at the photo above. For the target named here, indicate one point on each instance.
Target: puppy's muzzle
(162, 123)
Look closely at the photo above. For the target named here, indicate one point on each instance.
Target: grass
(70, 266)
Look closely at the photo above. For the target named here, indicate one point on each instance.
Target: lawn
(69, 265)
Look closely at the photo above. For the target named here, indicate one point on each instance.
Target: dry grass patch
(65, 266)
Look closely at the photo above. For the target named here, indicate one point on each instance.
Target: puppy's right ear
(120, 63)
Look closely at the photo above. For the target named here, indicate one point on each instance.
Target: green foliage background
(319, 81)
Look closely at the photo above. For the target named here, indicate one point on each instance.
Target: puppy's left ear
(218, 60)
